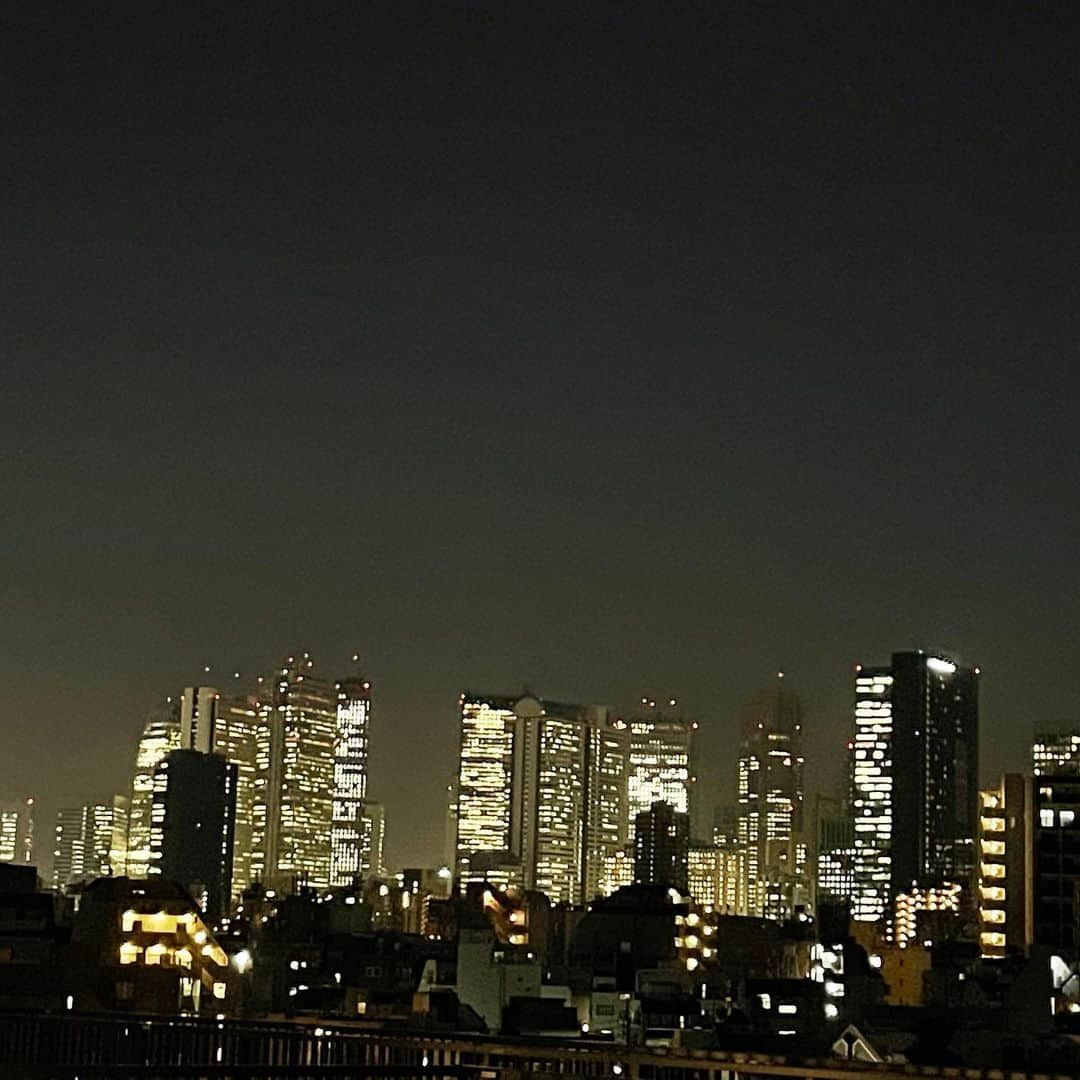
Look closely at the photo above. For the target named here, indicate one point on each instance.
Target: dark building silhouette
(192, 826)
(1056, 862)
(662, 847)
(915, 789)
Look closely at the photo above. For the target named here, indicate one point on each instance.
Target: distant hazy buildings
(226, 724)
(661, 757)
(293, 805)
(770, 788)
(161, 734)
(541, 800)
(90, 841)
(914, 769)
(17, 831)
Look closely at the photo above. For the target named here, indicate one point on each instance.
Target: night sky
(607, 349)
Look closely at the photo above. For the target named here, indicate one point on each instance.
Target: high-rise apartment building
(914, 771)
(662, 847)
(192, 819)
(661, 758)
(770, 788)
(293, 805)
(160, 735)
(350, 779)
(216, 722)
(541, 793)
(1005, 870)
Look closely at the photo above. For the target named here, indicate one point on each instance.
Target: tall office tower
(770, 785)
(661, 759)
(607, 766)
(192, 818)
(549, 796)
(373, 840)
(160, 735)
(540, 794)
(1056, 753)
(85, 841)
(914, 778)
(350, 779)
(68, 847)
(17, 831)
(833, 855)
(1005, 866)
(118, 837)
(485, 785)
(662, 847)
(294, 783)
(214, 722)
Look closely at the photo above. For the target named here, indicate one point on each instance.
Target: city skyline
(235, 705)
(622, 351)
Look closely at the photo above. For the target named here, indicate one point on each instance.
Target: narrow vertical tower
(350, 778)
(770, 785)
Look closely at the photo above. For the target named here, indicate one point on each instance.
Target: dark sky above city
(604, 348)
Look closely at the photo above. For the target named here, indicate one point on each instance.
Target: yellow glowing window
(129, 953)
(992, 915)
(993, 824)
(993, 847)
(992, 892)
(993, 870)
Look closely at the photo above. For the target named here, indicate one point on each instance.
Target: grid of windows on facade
(484, 778)
(1056, 753)
(872, 794)
(770, 793)
(17, 831)
(161, 735)
(350, 780)
(660, 759)
(1056, 859)
(553, 844)
(88, 840)
(293, 806)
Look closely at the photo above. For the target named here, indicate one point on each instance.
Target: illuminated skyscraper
(770, 787)
(485, 782)
(87, 841)
(661, 753)
(541, 794)
(606, 821)
(215, 722)
(160, 735)
(294, 783)
(17, 831)
(350, 779)
(914, 779)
